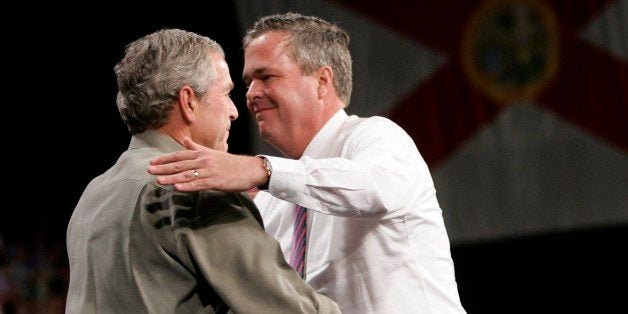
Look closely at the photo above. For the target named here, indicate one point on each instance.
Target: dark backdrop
(65, 130)
(69, 129)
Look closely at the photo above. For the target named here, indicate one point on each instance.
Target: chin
(264, 134)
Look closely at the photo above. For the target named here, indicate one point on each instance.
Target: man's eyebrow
(256, 72)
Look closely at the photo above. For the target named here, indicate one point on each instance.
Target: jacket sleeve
(240, 261)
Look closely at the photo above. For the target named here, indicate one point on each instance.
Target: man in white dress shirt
(376, 241)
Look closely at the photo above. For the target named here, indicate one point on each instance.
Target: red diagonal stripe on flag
(442, 113)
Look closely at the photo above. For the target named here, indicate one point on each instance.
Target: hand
(217, 170)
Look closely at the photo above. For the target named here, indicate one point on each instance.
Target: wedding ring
(195, 174)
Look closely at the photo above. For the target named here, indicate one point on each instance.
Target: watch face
(269, 171)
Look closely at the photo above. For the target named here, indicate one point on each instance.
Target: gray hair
(154, 69)
(315, 43)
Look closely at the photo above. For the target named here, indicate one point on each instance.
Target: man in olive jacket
(137, 246)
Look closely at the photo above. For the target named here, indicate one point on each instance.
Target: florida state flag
(518, 106)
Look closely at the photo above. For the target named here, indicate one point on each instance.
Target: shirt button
(283, 195)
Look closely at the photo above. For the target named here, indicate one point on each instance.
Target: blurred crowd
(33, 277)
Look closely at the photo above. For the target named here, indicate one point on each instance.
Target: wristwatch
(269, 170)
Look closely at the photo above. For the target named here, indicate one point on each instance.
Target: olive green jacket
(139, 247)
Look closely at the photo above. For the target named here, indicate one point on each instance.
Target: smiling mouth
(262, 110)
(259, 113)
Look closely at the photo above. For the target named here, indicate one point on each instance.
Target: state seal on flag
(510, 49)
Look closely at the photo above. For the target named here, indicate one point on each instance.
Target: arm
(217, 170)
(217, 238)
(378, 173)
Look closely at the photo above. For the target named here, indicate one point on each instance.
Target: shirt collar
(320, 143)
(155, 139)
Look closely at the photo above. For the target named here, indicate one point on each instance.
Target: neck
(176, 132)
(320, 123)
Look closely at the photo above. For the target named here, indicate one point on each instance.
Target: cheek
(285, 117)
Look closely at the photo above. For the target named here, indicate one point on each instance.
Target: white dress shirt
(376, 238)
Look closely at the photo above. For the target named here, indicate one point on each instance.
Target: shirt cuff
(288, 178)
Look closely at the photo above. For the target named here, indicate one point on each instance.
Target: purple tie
(299, 236)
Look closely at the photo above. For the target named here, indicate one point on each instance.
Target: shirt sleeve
(219, 239)
(379, 172)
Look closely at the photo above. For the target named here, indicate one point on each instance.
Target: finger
(192, 186)
(174, 167)
(182, 177)
(174, 157)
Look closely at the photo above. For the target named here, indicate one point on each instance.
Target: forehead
(220, 65)
(222, 82)
(222, 70)
(267, 40)
(269, 50)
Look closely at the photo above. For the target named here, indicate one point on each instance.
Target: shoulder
(375, 126)
(206, 208)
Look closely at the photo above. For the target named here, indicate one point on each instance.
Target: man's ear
(188, 103)
(325, 78)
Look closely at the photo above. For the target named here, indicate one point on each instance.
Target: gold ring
(195, 174)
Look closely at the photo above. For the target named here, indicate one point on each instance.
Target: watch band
(269, 170)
